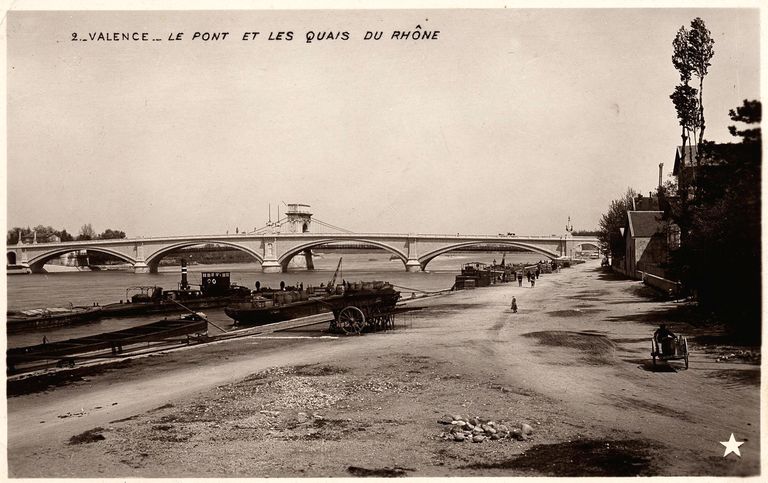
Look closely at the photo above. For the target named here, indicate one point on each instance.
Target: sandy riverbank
(573, 363)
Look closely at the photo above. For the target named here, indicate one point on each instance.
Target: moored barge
(215, 290)
(269, 306)
(65, 351)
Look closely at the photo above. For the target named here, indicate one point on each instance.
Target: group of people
(531, 275)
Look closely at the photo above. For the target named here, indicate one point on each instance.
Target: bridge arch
(587, 245)
(287, 256)
(36, 264)
(425, 259)
(11, 258)
(153, 260)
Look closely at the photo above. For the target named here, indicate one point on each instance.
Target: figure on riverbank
(533, 282)
(519, 279)
(514, 305)
(663, 338)
(662, 333)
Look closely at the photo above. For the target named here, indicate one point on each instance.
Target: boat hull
(114, 341)
(162, 307)
(248, 314)
(16, 323)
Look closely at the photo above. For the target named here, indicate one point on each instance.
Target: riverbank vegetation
(49, 234)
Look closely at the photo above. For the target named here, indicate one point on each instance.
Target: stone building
(645, 244)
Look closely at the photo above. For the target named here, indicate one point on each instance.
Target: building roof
(644, 224)
(714, 154)
(690, 155)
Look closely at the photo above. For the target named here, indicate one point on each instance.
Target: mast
(332, 282)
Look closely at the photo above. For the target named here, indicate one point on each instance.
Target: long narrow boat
(215, 290)
(114, 341)
(31, 319)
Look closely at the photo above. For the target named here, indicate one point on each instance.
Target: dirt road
(573, 363)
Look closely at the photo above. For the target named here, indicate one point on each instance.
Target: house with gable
(645, 244)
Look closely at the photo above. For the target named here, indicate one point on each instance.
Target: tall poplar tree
(700, 52)
(692, 51)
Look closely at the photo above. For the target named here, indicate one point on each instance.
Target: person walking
(533, 282)
(514, 305)
(519, 279)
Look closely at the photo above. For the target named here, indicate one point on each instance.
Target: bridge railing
(245, 236)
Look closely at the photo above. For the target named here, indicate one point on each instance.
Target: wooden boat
(269, 306)
(21, 320)
(266, 307)
(114, 341)
(474, 274)
(215, 290)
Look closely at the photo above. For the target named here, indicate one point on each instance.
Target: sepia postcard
(354, 240)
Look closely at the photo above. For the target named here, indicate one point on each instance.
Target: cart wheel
(351, 320)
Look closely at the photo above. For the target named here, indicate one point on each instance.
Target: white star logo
(732, 446)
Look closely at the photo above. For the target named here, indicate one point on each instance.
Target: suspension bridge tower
(298, 220)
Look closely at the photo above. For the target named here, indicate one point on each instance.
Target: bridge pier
(308, 259)
(141, 267)
(271, 266)
(413, 265)
(18, 268)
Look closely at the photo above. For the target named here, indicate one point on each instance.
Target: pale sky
(512, 120)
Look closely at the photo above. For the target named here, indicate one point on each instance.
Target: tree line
(47, 233)
(711, 211)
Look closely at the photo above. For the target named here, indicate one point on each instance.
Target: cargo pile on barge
(356, 307)
(478, 274)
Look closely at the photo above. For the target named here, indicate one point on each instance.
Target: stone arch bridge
(274, 251)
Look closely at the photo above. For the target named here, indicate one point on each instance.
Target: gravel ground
(562, 388)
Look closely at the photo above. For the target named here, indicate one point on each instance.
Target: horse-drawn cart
(368, 306)
(670, 348)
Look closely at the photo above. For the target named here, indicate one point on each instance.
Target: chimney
(661, 166)
(183, 285)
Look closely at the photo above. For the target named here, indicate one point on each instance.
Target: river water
(103, 287)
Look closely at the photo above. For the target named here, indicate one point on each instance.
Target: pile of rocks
(479, 429)
(297, 392)
(748, 356)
